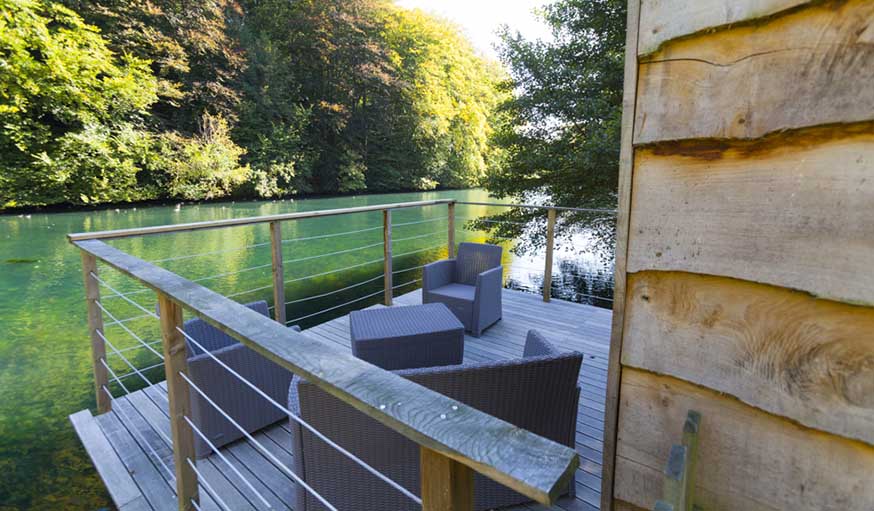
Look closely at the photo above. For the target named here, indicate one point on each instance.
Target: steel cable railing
(128, 330)
(331, 235)
(335, 307)
(329, 293)
(297, 419)
(213, 252)
(255, 443)
(129, 424)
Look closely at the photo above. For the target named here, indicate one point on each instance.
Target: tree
(71, 110)
(560, 130)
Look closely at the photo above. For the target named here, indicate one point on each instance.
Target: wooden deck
(115, 441)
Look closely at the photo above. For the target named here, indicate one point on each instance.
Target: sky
(481, 19)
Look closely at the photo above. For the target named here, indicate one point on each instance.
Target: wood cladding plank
(748, 459)
(783, 351)
(795, 213)
(663, 20)
(626, 167)
(810, 67)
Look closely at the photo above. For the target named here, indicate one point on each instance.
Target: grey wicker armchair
(538, 392)
(250, 410)
(470, 285)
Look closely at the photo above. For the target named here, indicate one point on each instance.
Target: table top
(402, 321)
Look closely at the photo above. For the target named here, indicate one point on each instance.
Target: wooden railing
(533, 466)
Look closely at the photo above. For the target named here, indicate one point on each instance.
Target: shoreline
(80, 208)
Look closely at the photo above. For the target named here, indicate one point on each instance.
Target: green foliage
(68, 104)
(206, 166)
(560, 131)
(154, 99)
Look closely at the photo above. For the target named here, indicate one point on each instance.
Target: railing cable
(420, 236)
(258, 445)
(202, 481)
(214, 252)
(305, 424)
(123, 297)
(299, 300)
(124, 417)
(346, 251)
(373, 261)
(332, 235)
(226, 461)
(442, 245)
(128, 330)
(129, 364)
(329, 309)
(419, 222)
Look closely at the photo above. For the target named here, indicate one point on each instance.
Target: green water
(45, 368)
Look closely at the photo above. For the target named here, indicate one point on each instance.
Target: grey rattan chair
(250, 410)
(538, 392)
(470, 285)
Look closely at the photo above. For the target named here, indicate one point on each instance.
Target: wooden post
(175, 362)
(447, 485)
(451, 233)
(278, 272)
(550, 245)
(386, 241)
(95, 325)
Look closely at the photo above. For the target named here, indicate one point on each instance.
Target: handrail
(532, 465)
(537, 206)
(232, 222)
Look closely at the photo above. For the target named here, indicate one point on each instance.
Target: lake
(45, 367)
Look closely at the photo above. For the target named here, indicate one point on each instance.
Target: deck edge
(116, 479)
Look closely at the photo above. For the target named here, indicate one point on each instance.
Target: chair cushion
(473, 259)
(456, 291)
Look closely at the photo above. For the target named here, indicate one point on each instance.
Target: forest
(112, 101)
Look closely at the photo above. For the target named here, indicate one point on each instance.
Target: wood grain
(783, 351)
(550, 247)
(124, 491)
(527, 463)
(95, 325)
(663, 20)
(811, 67)
(446, 484)
(748, 459)
(623, 215)
(387, 258)
(176, 362)
(796, 215)
(278, 272)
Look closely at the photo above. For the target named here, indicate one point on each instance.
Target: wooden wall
(745, 258)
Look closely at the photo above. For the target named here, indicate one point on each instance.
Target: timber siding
(746, 255)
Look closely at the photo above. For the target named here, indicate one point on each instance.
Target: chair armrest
(438, 274)
(489, 279)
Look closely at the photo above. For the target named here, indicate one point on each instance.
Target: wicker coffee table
(407, 337)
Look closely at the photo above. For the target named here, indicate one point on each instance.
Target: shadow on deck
(124, 457)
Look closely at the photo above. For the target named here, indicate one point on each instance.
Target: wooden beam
(387, 257)
(278, 272)
(784, 351)
(770, 463)
(176, 362)
(446, 484)
(792, 211)
(626, 167)
(527, 463)
(810, 67)
(451, 231)
(664, 20)
(233, 222)
(550, 246)
(95, 328)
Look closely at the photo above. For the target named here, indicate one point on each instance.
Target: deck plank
(137, 484)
